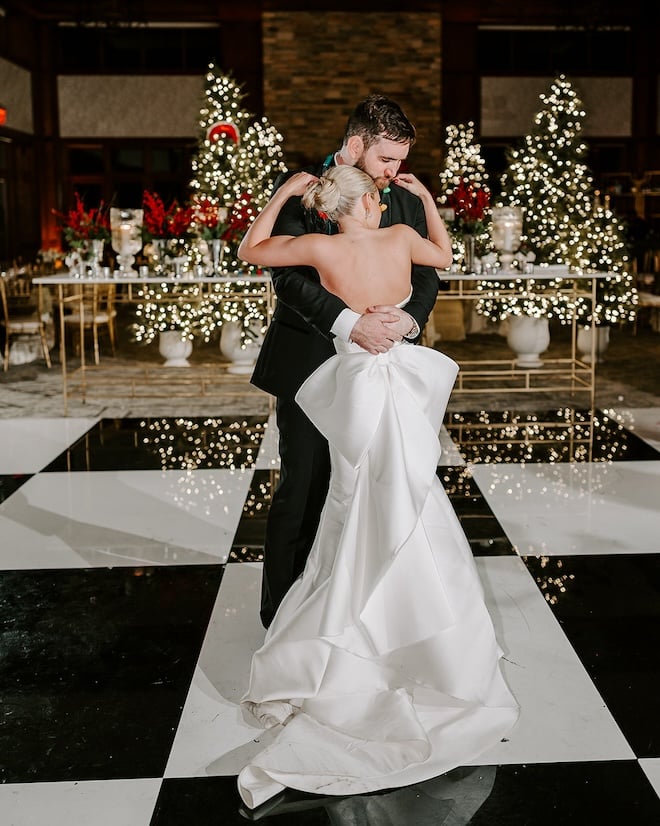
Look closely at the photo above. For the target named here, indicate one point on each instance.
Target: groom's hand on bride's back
(376, 332)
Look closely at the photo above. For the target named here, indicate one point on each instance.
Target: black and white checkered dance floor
(130, 557)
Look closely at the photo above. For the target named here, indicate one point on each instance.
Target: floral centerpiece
(80, 226)
(470, 209)
(211, 225)
(470, 203)
(210, 218)
(174, 221)
(86, 232)
(168, 229)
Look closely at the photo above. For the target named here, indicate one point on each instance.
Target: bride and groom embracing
(380, 666)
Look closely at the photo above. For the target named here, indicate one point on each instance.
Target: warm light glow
(548, 179)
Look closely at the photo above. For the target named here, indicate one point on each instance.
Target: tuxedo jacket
(298, 338)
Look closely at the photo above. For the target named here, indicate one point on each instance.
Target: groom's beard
(380, 181)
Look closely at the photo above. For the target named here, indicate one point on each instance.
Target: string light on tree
(464, 180)
(170, 307)
(546, 176)
(235, 154)
(462, 161)
(600, 245)
(237, 162)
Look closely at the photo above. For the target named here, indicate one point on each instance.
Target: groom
(377, 139)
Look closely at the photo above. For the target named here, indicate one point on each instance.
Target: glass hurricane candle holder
(126, 228)
(506, 223)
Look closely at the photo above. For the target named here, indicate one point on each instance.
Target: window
(547, 50)
(125, 49)
(119, 171)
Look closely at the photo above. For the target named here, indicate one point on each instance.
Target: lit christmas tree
(237, 162)
(465, 193)
(601, 246)
(222, 121)
(463, 161)
(563, 222)
(547, 176)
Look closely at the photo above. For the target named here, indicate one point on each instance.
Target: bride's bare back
(364, 267)
(363, 264)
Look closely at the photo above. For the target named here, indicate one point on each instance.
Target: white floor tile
(450, 455)
(555, 509)
(269, 457)
(562, 716)
(28, 445)
(651, 768)
(643, 421)
(72, 520)
(101, 803)
(214, 738)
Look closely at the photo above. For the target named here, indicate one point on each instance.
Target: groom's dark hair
(377, 116)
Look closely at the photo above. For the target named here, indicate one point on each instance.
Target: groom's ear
(355, 146)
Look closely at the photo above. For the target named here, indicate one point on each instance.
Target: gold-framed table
(71, 292)
(571, 374)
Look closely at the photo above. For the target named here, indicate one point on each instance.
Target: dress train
(381, 667)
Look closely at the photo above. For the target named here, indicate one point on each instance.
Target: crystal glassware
(126, 228)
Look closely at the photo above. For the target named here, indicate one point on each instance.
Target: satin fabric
(381, 667)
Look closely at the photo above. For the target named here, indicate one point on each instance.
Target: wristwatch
(412, 334)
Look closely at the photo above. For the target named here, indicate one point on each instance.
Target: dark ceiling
(591, 13)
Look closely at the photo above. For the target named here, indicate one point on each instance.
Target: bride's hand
(406, 180)
(297, 184)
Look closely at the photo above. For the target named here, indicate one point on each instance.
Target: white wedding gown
(381, 667)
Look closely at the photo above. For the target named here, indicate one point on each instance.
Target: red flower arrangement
(469, 203)
(210, 218)
(79, 226)
(161, 222)
(241, 216)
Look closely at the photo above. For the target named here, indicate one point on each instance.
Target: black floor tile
(568, 794)
(95, 668)
(563, 434)
(165, 444)
(248, 543)
(482, 528)
(9, 483)
(609, 608)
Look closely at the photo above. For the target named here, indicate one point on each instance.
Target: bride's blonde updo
(337, 191)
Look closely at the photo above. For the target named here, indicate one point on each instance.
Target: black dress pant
(296, 504)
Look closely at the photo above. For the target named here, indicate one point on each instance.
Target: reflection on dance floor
(563, 434)
(129, 637)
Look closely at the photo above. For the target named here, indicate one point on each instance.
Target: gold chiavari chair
(98, 311)
(21, 313)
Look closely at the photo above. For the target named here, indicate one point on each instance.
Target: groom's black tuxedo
(298, 340)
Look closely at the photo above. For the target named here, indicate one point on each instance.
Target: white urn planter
(586, 345)
(241, 355)
(528, 337)
(175, 348)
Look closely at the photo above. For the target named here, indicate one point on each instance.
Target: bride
(381, 667)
